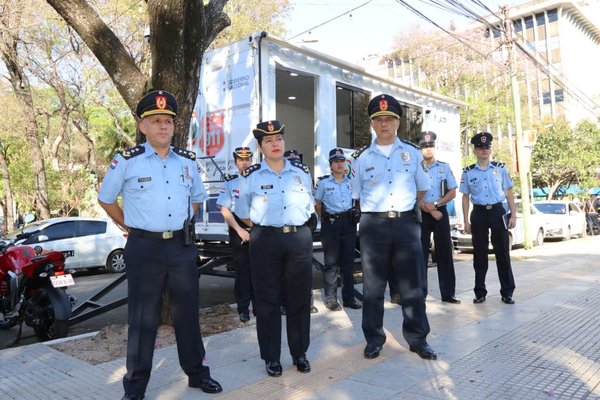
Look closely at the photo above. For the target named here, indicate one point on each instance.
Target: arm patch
(133, 152)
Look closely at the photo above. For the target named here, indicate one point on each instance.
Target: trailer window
(353, 125)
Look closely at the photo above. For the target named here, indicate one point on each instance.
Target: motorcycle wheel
(53, 310)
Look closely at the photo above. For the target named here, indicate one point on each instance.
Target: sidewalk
(546, 346)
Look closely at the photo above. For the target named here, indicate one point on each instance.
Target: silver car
(563, 219)
(87, 242)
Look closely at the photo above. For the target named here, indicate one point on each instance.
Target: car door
(92, 244)
(59, 236)
(576, 219)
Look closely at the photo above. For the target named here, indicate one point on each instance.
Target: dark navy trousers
(153, 264)
(281, 269)
(241, 259)
(392, 246)
(482, 222)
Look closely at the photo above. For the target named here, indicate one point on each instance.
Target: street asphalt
(546, 346)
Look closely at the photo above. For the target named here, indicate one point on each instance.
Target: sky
(368, 29)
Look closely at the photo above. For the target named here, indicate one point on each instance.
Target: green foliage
(564, 155)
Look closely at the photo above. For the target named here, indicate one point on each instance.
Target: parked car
(563, 219)
(516, 236)
(87, 242)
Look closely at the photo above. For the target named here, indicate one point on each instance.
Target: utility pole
(520, 141)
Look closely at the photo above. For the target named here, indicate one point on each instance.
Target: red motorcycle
(33, 290)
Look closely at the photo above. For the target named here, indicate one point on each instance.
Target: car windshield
(551, 208)
(26, 230)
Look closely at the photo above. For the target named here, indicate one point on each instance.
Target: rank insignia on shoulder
(410, 144)
(497, 164)
(323, 177)
(250, 170)
(230, 177)
(470, 167)
(296, 163)
(184, 153)
(133, 151)
(358, 152)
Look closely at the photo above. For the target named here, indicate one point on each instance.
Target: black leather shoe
(273, 368)
(507, 300)
(301, 363)
(479, 300)
(396, 299)
(333, 305)
(282, 309)
(133, 397)
(207, 385)
(452, 300)
(353, 304)
(372, 350)
(424, 352)
(244, 316)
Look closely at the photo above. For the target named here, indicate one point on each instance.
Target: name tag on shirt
(146, 179)
(266, 187)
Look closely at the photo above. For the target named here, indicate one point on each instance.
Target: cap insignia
(161, 102)
(383, 105)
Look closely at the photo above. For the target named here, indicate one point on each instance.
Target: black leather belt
(487, 206)
(282, 229)
(346, 213)
(156, 235)
(390, 214)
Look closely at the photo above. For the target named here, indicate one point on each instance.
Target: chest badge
(496, 172)
(405, 156)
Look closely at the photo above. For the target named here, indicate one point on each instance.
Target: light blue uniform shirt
(271, 199)
(389, 183)
(437, 172)
(156, 192)
(336, 196)
(486, 186)
(230, 193)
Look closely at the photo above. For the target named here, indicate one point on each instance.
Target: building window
(553, 15)
(540, 19)
(529, 36)
(518, 26)
(559, 95)
(555, 56)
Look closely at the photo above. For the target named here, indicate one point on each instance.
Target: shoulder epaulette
(410, 143)
(470, 167)
(358, 152)
(230, 177)
(184, 153)
(250, 170)
(133, 151)
(497, 164)
(298, 164)
(322, 177)
(441, 162)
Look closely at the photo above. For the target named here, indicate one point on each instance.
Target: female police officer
(276, 199)
(160, 187)
(238, 233)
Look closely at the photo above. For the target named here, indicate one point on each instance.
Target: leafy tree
(563, 155)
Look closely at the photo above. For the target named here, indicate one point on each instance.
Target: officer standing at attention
(338, 232)
(239, 234)
(161, 189)
(388, 182)
(435, 217)
(276, 200)
(487, 185)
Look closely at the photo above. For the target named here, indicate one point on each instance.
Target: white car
(516, 236)
(563, 219)
(87, 242)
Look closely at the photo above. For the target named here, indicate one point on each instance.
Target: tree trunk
(9, 215)
(9, 23)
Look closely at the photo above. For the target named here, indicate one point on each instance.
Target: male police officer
(338, 232)
(388, 181)
(160, 188)
(487, 185)
(276, 200)
(238, 233)
(435, 217)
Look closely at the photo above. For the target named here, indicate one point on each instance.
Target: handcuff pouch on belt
(189, 227)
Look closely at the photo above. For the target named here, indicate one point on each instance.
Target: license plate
(62, 280)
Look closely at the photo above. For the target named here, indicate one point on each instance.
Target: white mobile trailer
(321, 100)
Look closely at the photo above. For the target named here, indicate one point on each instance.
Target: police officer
(436, 219)
(276, 200)
(239, 234)
(338, 232)
(487, 185)
(160, 189)
(388, 182)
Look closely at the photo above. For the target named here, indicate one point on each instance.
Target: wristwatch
(435, 203)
